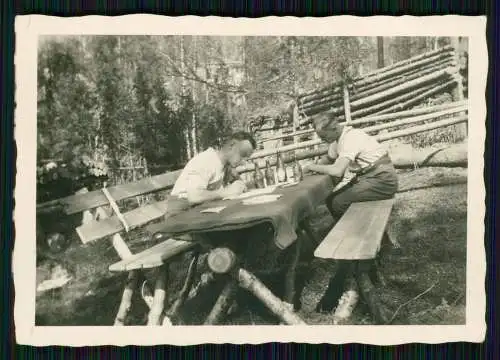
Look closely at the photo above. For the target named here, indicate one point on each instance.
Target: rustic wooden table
(288, 215)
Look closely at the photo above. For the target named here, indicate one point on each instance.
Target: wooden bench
(355, 242)
(104, 225)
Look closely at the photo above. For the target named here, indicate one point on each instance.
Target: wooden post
(155, 314)
(290, 277)
(295, 122)
(250, 282)
(222, 260)
(347, 105)
(458, 91)
(126, 303)
(183, 294)
(223, 303)
(368, 292)
(132, 281)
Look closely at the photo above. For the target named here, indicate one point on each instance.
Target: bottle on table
(280, 169)
(297, 170)
(258, 177)
(269, 174)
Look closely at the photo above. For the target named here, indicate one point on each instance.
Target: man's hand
(307, 168)
(234, 189)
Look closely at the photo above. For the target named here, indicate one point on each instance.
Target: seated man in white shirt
(366, 173)
(202, 179)
(360, 162)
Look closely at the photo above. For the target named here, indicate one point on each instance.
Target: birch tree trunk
(183, 94)
(193, 92)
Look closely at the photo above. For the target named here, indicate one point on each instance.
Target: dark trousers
(379, 184)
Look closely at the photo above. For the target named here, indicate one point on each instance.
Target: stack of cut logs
(392, 88)
(382, 103)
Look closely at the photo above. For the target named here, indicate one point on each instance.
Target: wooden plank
(154, 256)
(105, 227)
(78, 203)
(358, 233)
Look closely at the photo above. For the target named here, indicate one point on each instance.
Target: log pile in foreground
(392, 88)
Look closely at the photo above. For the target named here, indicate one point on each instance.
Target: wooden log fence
(399, 64)
(392, 88)
(322, 150)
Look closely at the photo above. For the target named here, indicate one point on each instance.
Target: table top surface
(295, 204)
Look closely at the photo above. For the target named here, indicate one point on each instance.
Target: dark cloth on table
(283, 215)
(379, 184)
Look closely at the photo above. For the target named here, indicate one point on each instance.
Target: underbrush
(449, 134)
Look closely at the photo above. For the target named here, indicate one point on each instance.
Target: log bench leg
(368, 291)
(307, 228)
(223, 303)
(223, 261)
(290, 277)
(336, 286)
(172, 312)
(126, 303)
(159, 297)
(251, 283)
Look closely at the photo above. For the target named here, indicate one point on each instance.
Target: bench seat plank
(154, 256)
(78, 203)
(98, 229)
(358, 234)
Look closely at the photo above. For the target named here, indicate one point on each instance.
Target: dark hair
(242, 136)
(324, 120)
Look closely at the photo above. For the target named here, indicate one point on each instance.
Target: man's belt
(383, 160)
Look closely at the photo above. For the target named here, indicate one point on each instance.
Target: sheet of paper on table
(253, 192)
(216, 210)
(262, 199)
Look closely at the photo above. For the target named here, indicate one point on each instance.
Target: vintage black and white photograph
(245, 180)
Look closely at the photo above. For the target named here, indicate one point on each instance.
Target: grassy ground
(429, 221)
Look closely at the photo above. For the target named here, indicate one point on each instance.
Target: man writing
(203, 177)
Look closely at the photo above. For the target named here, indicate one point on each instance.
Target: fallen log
(454, 155)
(251, 283)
